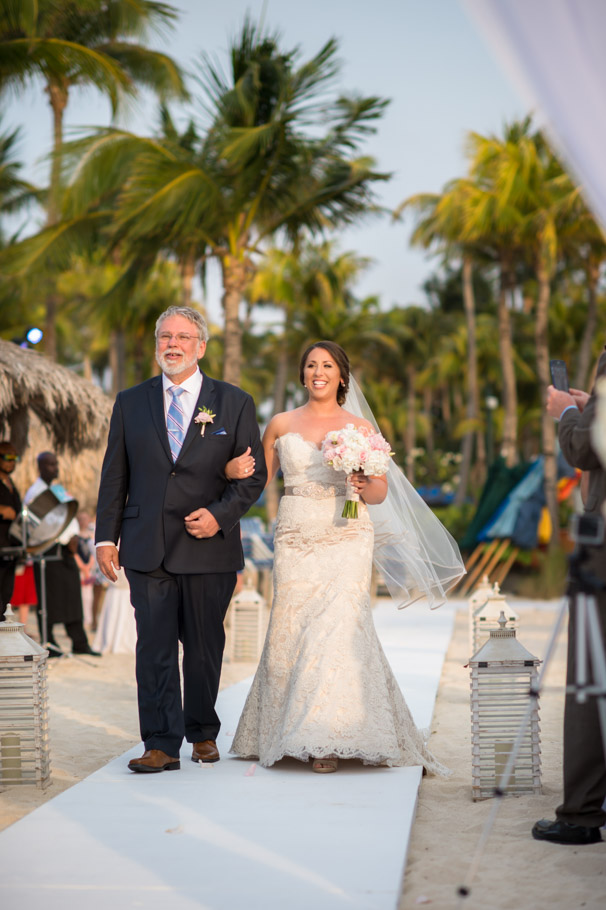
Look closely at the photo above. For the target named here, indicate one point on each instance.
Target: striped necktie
(175, 422)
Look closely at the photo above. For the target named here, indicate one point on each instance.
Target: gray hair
(188, 313)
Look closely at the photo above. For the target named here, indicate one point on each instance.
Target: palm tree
(440, 224)
(278, 157)
(15, 194)
(410, 332)
(494, 226)
(529, 182)
(586, 250)
(86, 43)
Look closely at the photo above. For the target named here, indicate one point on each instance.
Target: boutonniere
(205, 416)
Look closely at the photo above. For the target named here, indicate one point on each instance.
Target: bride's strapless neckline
(309, 442)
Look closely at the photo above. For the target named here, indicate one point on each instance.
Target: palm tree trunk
(117, 361)
(472, 379)
(409, 435)
(188, 270)
(584, 361)
(547, 423)
(446, 409)
(236, 274)
(87, 368)
(427, 408)
(510, 395)
(57, 96)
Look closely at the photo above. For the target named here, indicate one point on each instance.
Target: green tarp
(500, 481)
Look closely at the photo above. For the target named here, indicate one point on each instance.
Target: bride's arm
(269, 438)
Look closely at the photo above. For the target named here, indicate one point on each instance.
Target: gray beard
(173, 369)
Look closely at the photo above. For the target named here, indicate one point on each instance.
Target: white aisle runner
(234, 836)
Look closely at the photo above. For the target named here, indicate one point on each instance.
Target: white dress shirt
(187, 401)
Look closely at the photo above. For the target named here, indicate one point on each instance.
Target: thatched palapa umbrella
(74, 411)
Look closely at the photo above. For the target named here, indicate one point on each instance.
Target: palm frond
(53, 247)
(54, 58)
(152, 69)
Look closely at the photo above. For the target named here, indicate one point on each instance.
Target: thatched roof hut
(74, 411)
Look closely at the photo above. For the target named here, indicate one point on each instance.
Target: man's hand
(580, 398)
(201, 523)
(109, 562)
(8, 513)
(558, 401)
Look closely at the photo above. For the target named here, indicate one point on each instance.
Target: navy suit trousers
(169, 608)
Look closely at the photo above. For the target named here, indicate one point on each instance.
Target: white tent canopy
(553, 50)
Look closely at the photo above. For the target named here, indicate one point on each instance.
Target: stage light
(34, 335)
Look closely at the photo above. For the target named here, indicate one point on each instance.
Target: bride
(324, 689)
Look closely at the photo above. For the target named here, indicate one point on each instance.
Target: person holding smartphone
(581, 814)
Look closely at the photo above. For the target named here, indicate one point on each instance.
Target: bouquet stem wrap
(352, 498)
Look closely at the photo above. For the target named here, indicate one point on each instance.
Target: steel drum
(42, 521)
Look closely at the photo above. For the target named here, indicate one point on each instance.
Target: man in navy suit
(165, 497)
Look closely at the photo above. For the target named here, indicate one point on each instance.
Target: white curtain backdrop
(554, 52)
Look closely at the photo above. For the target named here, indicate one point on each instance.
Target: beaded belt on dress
(316, 490)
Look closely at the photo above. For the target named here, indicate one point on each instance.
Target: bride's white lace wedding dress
(323, 686)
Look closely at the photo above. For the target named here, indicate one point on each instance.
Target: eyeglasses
(7, 457)
(180, 337)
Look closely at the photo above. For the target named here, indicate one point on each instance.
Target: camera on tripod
(587, 530)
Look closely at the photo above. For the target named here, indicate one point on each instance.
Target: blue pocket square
(220, 432)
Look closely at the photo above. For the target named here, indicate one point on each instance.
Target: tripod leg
(581, 649)
(43, 609)
(598, 663)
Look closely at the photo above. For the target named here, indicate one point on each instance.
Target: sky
(425, 55)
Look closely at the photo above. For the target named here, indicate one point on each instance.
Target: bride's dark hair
(340, 358)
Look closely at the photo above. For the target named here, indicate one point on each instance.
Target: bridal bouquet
(355, 449)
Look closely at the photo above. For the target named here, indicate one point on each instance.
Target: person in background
(63, 597)
(24, 593)
(582, 811)
(86, 562)
(10, 506)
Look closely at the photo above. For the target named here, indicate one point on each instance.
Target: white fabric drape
(553, 50)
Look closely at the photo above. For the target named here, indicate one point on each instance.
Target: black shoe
(52, 652)
(558, 832)
(88, 651)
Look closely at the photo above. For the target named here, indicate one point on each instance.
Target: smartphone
(559, 375)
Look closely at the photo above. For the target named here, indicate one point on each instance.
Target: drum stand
(41, 558)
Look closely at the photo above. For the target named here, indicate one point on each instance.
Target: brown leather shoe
(206, 751)
(154, 760)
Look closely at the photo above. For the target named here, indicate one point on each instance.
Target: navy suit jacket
(144, 496)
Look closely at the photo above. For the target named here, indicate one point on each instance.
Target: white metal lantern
(24, 746)
(503, 674)
(486, 617)
(478, 598)
(248, 616)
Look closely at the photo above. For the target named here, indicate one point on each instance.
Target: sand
(93, 718)
(515, 870)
